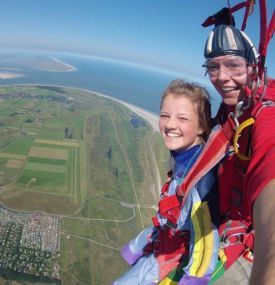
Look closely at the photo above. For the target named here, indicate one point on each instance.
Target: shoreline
(69, 67)
(150, 117)
(9, 75)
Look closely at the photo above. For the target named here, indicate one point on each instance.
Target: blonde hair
(198, 96)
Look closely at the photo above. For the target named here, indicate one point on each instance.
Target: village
(29, 243)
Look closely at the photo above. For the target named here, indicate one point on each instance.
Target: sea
(133, 83)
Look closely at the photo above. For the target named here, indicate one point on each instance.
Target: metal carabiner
(236, 114)
(239, 109)
(234, 119)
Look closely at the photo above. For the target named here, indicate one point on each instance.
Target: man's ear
(252, 74)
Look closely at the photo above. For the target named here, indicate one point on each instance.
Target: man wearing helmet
(246, 181)
(230, 59)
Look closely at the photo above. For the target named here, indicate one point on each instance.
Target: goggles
(232, 66)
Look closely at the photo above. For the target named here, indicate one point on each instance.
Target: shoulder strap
(216, 148)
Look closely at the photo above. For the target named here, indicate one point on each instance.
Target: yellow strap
(168, 281)
(198, 250)
(208, 237)
(222, 255)
(242, 126)
(203, 241)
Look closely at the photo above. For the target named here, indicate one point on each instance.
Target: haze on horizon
(165, 34)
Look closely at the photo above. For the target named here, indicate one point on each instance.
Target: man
(246, 176)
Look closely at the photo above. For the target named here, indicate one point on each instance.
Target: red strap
(168, 203)
(263, 21)
(249, 240)
(155, 221)
(216, 148)
(249, 6)
(165, 187)
(263, 37)
(169, 208)
(271, 28)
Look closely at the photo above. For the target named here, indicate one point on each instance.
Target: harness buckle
(171, 225)
(232, 239)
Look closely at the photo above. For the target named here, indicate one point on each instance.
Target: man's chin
(230, 101)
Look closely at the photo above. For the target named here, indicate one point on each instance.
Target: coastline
(148, 116)
(69, 67)
(9, 75)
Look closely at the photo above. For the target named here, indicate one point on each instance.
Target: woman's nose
(171, 123)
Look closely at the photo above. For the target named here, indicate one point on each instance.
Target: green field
(73, 154)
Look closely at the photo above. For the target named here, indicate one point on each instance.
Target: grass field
(79, 156)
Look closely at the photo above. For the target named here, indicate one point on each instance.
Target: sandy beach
(9, 75)
(68, 66)
(150, 117)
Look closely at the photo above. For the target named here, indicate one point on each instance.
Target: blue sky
(163, 33)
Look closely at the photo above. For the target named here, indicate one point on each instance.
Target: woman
(182, 245)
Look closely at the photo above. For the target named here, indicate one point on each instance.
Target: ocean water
(135, 84)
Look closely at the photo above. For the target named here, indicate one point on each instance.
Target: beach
(9, 75)
(150, 117)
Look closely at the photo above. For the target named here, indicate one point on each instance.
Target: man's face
(229, 74)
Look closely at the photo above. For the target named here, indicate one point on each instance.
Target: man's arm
(263, 270)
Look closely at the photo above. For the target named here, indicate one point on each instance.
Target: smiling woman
(179, 123)
(185, 111)
(167, 250)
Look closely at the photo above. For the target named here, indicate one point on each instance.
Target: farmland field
(79, 157)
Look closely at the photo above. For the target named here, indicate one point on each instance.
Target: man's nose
(223, 73)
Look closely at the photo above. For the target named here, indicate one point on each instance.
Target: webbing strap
(263, 38)
(165, 187)
(248, 10)
(168, 203)
(271, 28)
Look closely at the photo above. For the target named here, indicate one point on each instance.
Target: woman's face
(179, 123)
(229, 74)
